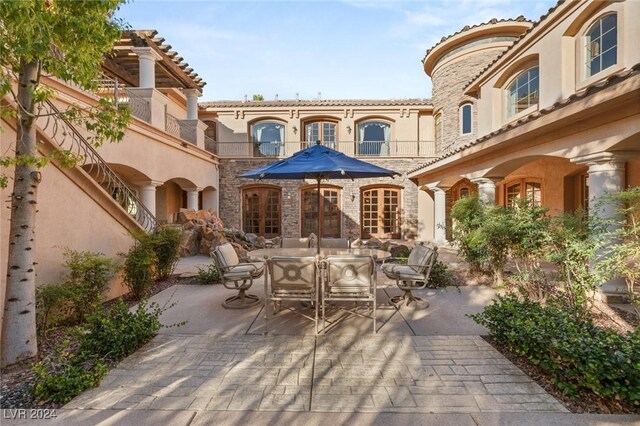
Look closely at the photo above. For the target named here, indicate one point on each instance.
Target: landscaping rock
(187, 225)
(356, 243)
(260, 242)
(373, 242)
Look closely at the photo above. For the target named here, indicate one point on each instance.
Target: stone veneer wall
(448, 93)
(231, 196)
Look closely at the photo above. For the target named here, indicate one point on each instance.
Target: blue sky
(352, 49)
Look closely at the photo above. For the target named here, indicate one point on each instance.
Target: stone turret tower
(452, 63)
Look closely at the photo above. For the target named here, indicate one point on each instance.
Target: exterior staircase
(62, 133)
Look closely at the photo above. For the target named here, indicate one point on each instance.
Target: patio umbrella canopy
(319, 162)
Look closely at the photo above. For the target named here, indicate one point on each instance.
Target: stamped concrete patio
(423, 366)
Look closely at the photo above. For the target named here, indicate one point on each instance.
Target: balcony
(369, 149)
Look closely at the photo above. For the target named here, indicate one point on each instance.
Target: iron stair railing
(68, 138)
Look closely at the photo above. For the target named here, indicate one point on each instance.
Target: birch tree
(66, 39)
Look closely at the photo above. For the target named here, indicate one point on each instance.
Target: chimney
(276, 97)
(245, 98)
(319, 95)
(297, 96)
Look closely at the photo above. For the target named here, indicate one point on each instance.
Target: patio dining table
(267, 253)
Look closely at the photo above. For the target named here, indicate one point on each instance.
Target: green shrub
(165, 242)
(468, 214)
(54, 305)
(578, 355)
(139, 266)
(208, 275)
(91, 272)
(65, 377)
(118, 333)
(81, 293)
(441, 276)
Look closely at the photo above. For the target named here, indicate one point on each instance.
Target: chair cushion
(245, 270)
(227, 255)
(419, 258)
(403, 272)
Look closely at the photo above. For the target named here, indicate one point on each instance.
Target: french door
(329, 212)
(261, 211)
(380, 213)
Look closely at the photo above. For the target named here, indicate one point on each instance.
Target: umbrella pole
(319, 220)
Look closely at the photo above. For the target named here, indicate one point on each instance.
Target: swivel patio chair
(236, 276)
(295, 243)
(412, 276)
(291, 279)
(350, 279)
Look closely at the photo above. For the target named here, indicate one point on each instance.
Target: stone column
(148, 194)
(487, 189)
(192, 198)
(192, 103)
(147, 58)
(439, 214)
(606, 176)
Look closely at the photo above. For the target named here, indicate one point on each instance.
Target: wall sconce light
(295, 130)
(349, 129)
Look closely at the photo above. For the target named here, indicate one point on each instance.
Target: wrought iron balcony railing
(68, 138)
(353, 148)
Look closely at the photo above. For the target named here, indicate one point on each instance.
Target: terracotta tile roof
(471, 27)
(589, 90)
(149, 38)
(316, 103)
(523, 35)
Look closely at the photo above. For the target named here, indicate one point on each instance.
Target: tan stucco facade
(408, 141)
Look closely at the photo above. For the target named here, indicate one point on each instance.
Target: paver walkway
(420, 361)
(411, 374)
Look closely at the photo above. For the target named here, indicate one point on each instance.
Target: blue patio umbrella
(319, 162)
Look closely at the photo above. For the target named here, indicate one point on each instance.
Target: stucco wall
(552, 173)
(560, 57)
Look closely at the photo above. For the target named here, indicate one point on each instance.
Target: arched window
(523, 92)
(261, 206)
(438, 131)
(329, 211)
(373, 138)
(466, 119)
(530, 189)
(268, 138)
(380, 212)
(323, 131)
(601, 44)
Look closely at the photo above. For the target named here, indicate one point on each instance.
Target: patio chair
(295, 243)
(334, 243)
(350, 279)
(236, 276)
(412, 276)
(291, 279)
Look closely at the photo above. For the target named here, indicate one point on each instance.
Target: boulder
(373, 242)
(185, 215)
(207, 233)
(251, 237)
(205, 247)
(260, 242)
(276, 241)
(187, 225)
(357, 243)
(190, 242)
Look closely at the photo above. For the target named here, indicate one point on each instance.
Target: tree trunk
(19, 317)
